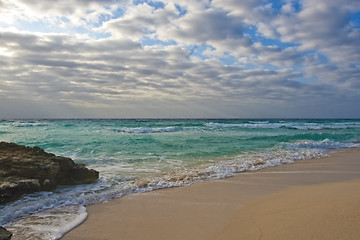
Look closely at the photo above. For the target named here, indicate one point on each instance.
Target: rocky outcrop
(29, 169)
(5, 234)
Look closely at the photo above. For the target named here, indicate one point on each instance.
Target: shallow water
(141, 155)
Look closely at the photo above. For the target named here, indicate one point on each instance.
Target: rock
(30, 169)
(5, 234)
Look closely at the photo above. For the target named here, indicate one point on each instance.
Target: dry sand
(311, 199)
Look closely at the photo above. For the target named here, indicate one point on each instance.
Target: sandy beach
(310, 199)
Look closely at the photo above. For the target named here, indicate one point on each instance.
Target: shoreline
(213, 209)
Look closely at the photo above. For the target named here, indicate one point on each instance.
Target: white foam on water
(146, 129)
(294, 125)
(326, 144)
(29, 124)
(48, 225)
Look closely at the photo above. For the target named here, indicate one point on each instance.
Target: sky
(179, 59)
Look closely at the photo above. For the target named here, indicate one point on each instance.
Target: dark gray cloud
(208, 25)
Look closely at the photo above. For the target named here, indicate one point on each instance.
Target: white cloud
(323, 26)
(242, 9)
(281, 57)
(63, 13)
(140, 20)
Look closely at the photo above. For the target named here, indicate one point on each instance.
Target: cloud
(78, 12)
(208, 25)
(202, 59)
(241, 9)
(316, 28)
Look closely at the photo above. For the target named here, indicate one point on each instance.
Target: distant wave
(29, 124)
(294, 125)
(146, 129)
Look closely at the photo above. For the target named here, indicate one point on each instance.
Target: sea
(140, 155)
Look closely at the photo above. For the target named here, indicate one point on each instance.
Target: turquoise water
(142, 155)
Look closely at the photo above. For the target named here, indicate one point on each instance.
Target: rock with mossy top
(26, 169)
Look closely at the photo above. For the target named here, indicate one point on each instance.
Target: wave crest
(29, 124)
(146, 129)
(290, 125)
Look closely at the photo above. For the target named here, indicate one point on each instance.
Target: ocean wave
(282, 124)
(29, 124)
(324, 144)
(259, 122)
(146, 129)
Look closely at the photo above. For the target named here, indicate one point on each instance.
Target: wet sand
(310, 199)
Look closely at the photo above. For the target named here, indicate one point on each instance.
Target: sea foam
(48, 225)
(281, 124)
(146, 130)
(29, 124)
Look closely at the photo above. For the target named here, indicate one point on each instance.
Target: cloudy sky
(188, 58)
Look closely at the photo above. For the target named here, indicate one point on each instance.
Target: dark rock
(30, 169)
(5, 234)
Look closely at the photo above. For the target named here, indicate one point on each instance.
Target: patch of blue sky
(227, 59)
(208, 5)
(119, 12)
(256, 37)
(277, 5)
(323, 58)
(146, 41)
(275, 42)
(316, 56)
(197, 51)
(4, 25)
(248, 66)
(37, 26)
(155, 4)
(355, 20)
(88, 31)
(64, 19)
(96, 35)
(181, 10)
(297, 6)
(102, 18)
(51, 27)
(269, 66)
